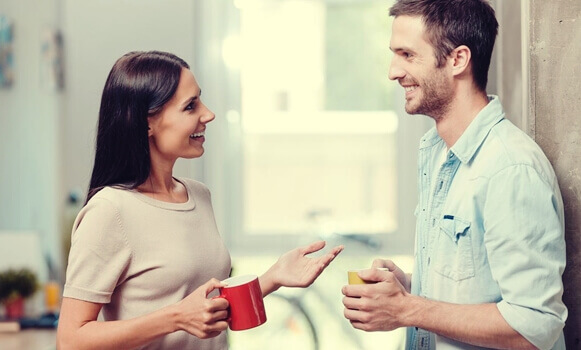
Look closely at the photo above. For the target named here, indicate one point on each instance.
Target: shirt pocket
(453, 255)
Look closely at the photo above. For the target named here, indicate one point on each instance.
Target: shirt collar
(474, 135)
(479, 128)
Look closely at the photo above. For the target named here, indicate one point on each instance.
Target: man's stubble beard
(435, 99)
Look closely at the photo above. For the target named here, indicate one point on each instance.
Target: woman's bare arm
(79, 328)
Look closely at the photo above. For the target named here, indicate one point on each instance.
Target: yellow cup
(353, 277)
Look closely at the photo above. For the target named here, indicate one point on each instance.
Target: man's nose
(395, 71)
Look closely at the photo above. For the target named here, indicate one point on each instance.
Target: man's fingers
(358, 325)
(353, 291)
(381, 263)
(390, 265)
(378, 263)
(352, 303)
(375, 274)
(354, 315)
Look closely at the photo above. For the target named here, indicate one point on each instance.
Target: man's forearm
(478, 324)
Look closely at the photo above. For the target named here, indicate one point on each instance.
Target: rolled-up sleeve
(526, 251)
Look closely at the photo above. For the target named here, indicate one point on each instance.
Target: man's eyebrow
(397, 49)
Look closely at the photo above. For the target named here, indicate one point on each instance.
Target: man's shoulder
(513, 143)
(508, 146)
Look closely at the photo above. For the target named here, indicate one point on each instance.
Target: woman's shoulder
(193, 185)
(112, 193)
(115, 198)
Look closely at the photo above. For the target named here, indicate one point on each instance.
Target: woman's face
(177, 131)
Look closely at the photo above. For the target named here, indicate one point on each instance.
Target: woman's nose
(208, 116)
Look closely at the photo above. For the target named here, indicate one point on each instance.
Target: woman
(145, 250)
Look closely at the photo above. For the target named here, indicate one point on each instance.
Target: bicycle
(294, 320)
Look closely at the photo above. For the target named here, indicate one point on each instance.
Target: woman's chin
(194, 155)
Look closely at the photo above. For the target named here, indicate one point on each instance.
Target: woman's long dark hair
(138, 86)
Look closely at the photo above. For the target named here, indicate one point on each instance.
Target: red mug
(246, 305)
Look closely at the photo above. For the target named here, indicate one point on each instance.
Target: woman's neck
(165, 189)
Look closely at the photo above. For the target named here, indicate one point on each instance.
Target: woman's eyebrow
(188, 101)
(192, 99)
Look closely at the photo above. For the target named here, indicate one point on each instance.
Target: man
(490, 248)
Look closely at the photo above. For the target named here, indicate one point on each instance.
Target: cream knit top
(135, 255)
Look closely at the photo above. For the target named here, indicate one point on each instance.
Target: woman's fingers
(331, 255)
(313, 247)
(211, 285)
(335, 251)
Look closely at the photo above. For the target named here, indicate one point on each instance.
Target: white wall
(47, 137)
(97, 34)
(29, 130)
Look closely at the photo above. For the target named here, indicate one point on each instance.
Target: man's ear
(460, 57)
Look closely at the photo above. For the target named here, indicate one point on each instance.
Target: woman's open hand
(295, 269)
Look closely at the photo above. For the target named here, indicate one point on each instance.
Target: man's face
(428, 90)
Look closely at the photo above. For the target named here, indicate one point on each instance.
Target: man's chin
(411, 109)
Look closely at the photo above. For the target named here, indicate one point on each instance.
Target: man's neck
(463, 109)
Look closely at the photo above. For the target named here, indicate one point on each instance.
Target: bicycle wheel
(288, 327)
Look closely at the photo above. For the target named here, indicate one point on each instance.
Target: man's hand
(379, 305)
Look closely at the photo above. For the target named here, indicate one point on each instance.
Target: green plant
(17, 282)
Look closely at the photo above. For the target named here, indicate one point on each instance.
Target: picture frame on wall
(6, 52)
(51, 66)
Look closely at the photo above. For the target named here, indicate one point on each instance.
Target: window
(310, 139)
(318, 146)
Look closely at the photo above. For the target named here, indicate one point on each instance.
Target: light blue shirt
(490, 229)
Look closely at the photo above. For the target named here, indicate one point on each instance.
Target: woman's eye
(190, 106)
